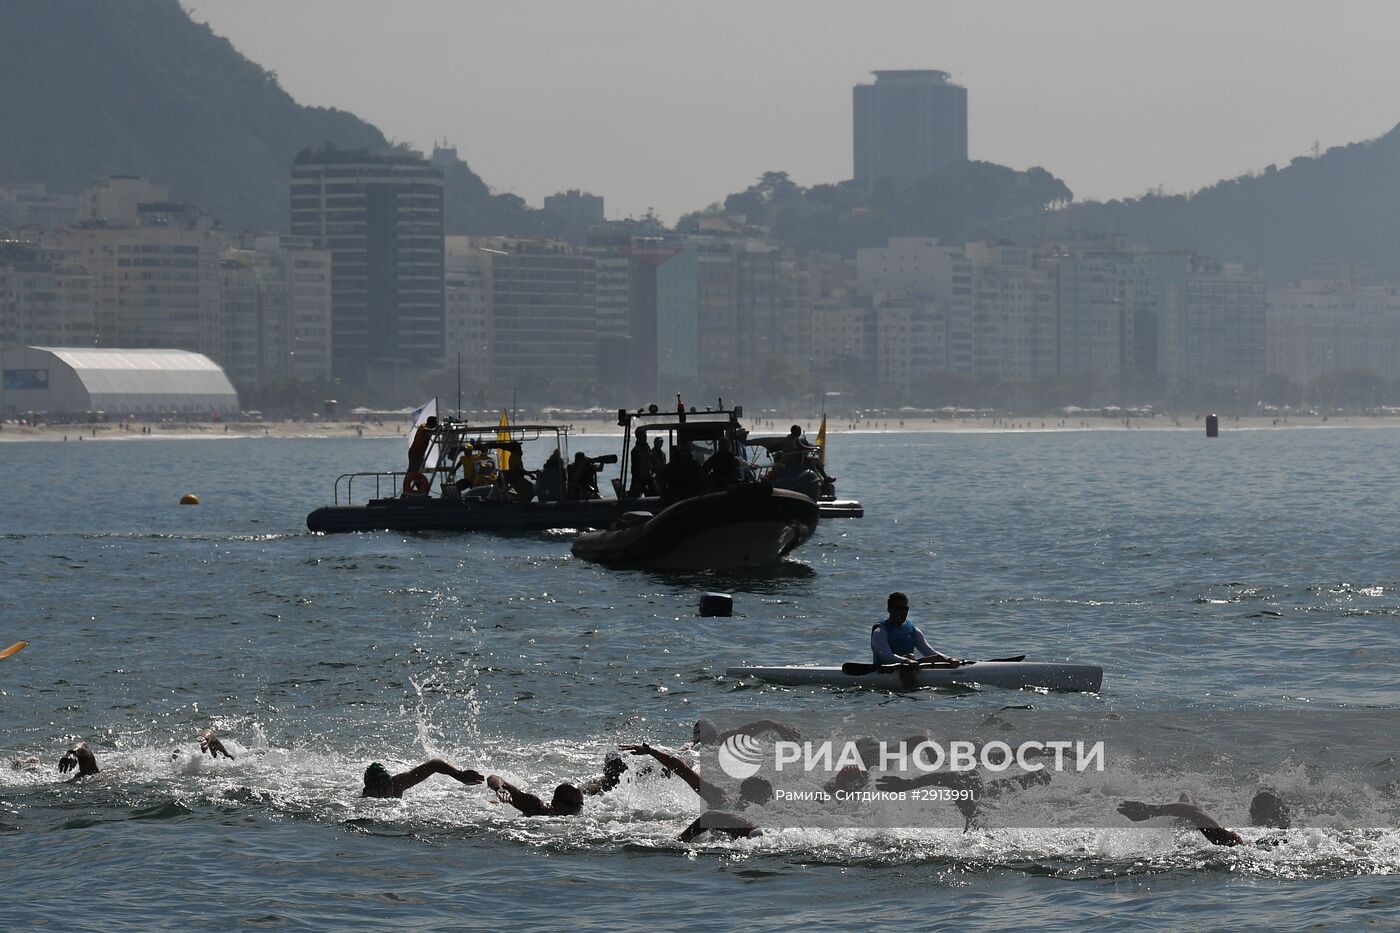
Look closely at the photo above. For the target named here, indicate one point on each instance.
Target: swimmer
(209, 742)
(567, 800)
(1266, 809)
(380, 783)
(706, 732)
(81, 758)
(753, 790)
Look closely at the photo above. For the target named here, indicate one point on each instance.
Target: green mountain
(91, 88)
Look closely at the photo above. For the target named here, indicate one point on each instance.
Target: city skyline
(1098, 95)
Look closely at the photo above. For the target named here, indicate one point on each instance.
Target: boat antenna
(459, 385)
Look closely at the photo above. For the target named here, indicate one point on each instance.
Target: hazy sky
(672, 105)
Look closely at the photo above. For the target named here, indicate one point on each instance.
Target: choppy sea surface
(1260, 569)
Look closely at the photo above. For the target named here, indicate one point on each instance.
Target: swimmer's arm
(80, 757)
(524, 801)
(759, 726)
(708, 792)
(718, 821)
(936, 779)
(427, 769)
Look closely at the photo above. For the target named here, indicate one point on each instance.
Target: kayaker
(1266, 809)
(896, 640)
(567, 800)
(380, 783)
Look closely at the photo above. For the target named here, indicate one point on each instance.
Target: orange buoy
(189, 498)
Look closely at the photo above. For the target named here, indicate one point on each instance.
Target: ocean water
(1260, 569)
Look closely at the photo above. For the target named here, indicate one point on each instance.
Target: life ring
(415, 484)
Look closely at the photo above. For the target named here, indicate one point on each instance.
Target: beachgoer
(567, 799)
(81, 757)
(380, 783)
(1266, 809)
(896, 640)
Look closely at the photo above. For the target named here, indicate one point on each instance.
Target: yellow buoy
(189, 498)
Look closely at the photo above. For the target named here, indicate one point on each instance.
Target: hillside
(1343, 204)
(91, 88)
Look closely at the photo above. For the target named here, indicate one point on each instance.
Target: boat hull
(411, 513)
(747, 526)
(1009, 674)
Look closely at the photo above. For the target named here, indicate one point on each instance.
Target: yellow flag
(503, 456)
(821, 442)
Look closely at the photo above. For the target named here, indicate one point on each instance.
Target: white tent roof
(137, 380)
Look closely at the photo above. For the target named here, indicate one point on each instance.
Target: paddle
(16, 648)
(857, 669)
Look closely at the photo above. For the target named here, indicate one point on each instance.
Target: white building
(1328, 326)
(71, 381)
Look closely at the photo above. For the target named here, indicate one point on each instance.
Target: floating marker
(189, 498)
(1212, 426)
(716, 604)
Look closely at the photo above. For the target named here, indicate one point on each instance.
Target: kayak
(1010, 674)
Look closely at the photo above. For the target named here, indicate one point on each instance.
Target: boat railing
(394, 480)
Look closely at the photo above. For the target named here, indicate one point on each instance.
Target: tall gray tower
(908, 125)
(380, 217)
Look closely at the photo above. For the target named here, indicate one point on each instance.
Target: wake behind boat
(1014, 675)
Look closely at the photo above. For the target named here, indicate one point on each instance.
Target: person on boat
(583, 478)
(380, 783)
(1266, 809)
(896, 640)
(567, 799)
(658, 464)
(684, 476)
(515, 475)
(722, 468)
(418, 448)
(643, 479)
(796, 443)
(81, 758)
(550, 483)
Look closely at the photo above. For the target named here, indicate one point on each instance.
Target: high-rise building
(277, 312)
(543, 316)
(920, 267)
(1327, 325)
(155, 268)
(45, 297)
(908, 125)
(380, 217)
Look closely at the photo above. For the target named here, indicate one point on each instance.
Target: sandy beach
(327, 428)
